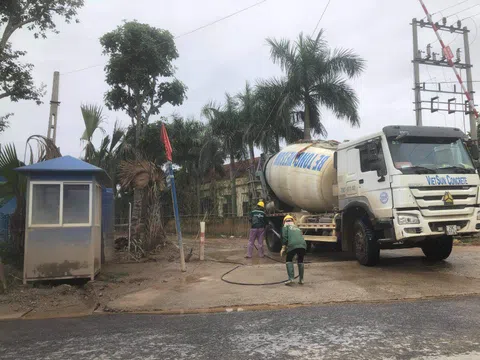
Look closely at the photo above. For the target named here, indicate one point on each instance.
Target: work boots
(291, 273)
(301, 271)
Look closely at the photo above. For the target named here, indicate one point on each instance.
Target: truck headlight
(406, 219)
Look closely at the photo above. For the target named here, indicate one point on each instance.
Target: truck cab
(407, 186)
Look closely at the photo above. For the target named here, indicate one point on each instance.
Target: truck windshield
(424, 155)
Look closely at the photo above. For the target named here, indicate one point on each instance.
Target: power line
(187, 33)
(321, 17)
(470, 17)
(221, 19)
(471, 7)
(452, 6)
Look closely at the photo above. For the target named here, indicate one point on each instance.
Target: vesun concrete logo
(446, 180)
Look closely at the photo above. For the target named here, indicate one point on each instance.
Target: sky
(222, 57)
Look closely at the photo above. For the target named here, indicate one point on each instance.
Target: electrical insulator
(459, 51)
(459, 24)
(444, 21)
(434, 55)
(429, 51)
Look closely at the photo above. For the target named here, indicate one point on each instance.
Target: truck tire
(438, 249)
(366, 247)
(274, 243)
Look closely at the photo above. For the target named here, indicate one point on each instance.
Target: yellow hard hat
(261, 204)
(288, 217)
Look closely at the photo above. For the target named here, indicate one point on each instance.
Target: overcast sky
(222, 57)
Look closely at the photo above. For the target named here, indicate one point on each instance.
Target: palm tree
(110, 152)
(249, 118)
(226, 125)
(187, 137)
(275, 113)
(93, 118)
(317, 76)
(15, 185)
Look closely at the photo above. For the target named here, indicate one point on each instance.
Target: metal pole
(54, 103)
(473, 121)
(129, 225)
(416, 75)
(177, 216)
(449, 55)
(202, 240)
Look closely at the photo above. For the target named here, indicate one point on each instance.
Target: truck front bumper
(433, 226)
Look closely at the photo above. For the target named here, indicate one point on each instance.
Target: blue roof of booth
(64, 164)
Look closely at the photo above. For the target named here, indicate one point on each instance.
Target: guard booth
(63, 235)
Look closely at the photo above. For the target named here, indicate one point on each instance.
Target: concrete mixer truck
(403, 187)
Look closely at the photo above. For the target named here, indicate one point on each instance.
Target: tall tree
(93, 119)
(226, 125)
(316, 76)
(249, 118)
(39, 16)
(140, 57)
(275, 113)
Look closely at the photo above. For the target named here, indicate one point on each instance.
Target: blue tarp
(9, 207)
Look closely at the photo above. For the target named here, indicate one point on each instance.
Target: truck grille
(429, 200)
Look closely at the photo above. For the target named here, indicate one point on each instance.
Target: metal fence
(215, 225)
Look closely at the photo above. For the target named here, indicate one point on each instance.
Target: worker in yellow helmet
(258, 220)
(293, 244)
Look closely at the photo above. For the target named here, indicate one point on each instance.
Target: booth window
(46, 204)
(76, 204)
(60, 204)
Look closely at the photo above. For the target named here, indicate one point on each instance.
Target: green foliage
(16, 81)
(93, 118)
(15, 185)
(4, 122)
(140, 55)
(314, 76)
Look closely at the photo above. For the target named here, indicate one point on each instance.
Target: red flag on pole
(166, 142)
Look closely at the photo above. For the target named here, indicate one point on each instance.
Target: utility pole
(416, 75)
(473, 120)
(456, 65)
(444, 57)
(54, 103)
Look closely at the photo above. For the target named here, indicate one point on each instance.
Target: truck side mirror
(473, 149)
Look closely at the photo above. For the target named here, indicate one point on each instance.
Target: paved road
(436, 329)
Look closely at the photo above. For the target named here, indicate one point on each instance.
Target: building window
(45, 204)
(246, 208)
(60, 204)
(227, 206)
(207, 206)
(76, 204)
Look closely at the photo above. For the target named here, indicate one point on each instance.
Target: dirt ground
(156, 283)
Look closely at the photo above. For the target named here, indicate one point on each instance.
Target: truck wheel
(274, 243)
(366, 247)
(439, 248)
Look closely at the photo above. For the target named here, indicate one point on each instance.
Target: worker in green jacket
(258, 219)
(293, 244)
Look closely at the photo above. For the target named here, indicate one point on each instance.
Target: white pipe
(129, 225)
(202, 240)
